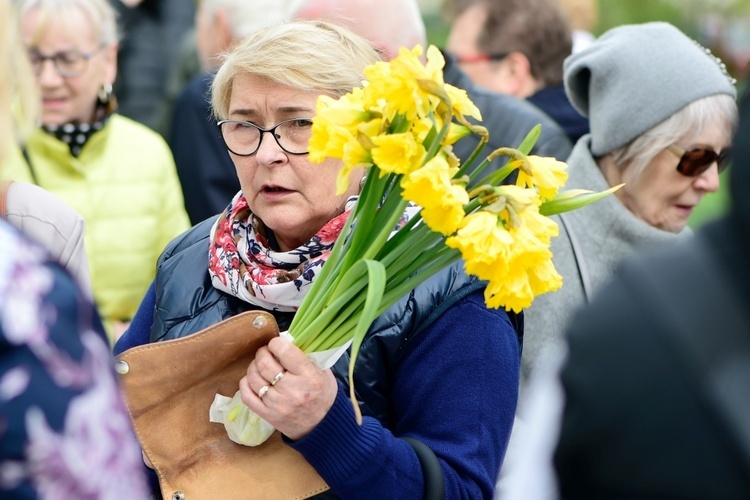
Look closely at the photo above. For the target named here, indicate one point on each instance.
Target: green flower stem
(446, 258)
(399, 124)
(404, 234)
(498, 176)
(418, 266)
(372, 194)
(340, 330)
(355, 280)
(385, 230)
(343, 324)
(316, 296)
(415, 240)
(466, 166)
(437, 143)
(352, 253)
(404, 258)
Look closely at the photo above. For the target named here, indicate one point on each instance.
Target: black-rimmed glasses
(69, 63)
(693, 162)
(243, 138)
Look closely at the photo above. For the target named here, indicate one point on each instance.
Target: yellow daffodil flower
(547, 174)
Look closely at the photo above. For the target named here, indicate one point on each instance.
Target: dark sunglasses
(693, 162)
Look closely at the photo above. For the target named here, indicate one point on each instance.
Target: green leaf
(375, 290)
(528, 143)
(564, 202)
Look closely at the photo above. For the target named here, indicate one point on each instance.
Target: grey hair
(387, 24)
(303, 55)
(248, 16)
(101, 14)
(684, 126)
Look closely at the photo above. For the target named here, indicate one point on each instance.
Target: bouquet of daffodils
(401, 126)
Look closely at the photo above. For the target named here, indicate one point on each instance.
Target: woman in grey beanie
(662, 111)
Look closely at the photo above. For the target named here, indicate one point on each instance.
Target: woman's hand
(288, 390)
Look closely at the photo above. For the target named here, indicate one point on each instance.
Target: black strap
(712, 329)
(434, 483)
(25, 153)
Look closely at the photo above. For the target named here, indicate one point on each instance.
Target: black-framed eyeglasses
(693, 162)
(243, 138)
(69, 63)
(475, 58)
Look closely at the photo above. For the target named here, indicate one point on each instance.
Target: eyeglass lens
(696, 161)
(68, 63)
(244, 138)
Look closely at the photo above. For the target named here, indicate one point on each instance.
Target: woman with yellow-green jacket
(118, 174)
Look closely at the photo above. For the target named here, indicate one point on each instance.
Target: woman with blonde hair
(422, 363)
(64, 432)
(116, 173)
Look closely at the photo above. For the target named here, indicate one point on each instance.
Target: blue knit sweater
(472, 395)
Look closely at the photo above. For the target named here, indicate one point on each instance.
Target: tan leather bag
(168, 388)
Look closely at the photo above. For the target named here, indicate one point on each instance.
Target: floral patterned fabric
(242, 263)
(64, 431)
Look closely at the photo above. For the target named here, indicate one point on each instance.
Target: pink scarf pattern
(242, 263)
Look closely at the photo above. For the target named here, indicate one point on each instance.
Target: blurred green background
(721, 25)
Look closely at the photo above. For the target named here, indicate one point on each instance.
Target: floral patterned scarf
(242, 263)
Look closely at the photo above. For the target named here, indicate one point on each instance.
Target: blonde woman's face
(293, 197)
(68, 98)
(663, 197)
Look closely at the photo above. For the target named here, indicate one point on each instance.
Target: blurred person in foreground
(49, 221)
(64, 432)
(205, 169)
(652, 399)
(662, 113)
(393, 24)
(416, 357)
(516, 47)
(116, 173)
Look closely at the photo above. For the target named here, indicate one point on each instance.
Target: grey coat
(593, 239)
(49, 221)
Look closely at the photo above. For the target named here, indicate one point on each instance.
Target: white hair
(387, 24)
(101, 14)
(248, 16)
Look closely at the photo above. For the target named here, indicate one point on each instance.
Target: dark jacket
(554, 102)
(508, 120)
(152, 33)
(206, 171)
(639, 421)
(411, 375)
(188, 303)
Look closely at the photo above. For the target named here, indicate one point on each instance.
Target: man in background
(203, 164)
(516, 47)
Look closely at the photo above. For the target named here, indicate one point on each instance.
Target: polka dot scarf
(75, 135)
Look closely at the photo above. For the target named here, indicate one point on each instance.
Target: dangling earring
(362, 182)
(107, 100)
(105, 93)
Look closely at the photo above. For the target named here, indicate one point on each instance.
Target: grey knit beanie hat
(634, 77)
